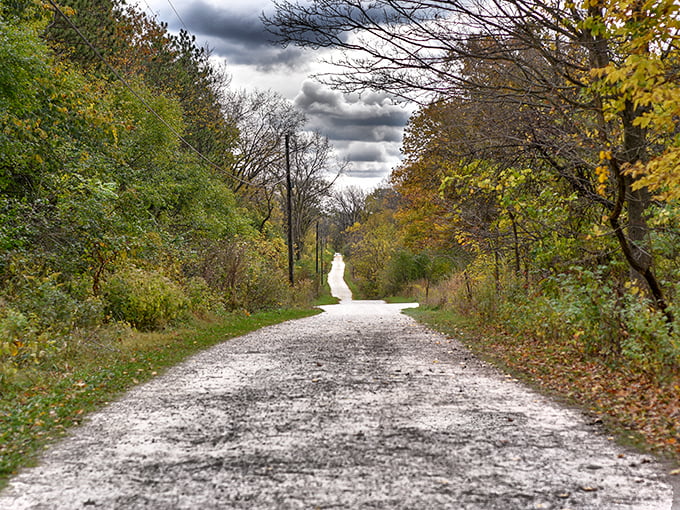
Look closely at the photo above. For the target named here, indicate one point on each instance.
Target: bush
(21, 342)
(200, 296)
(18, 336)
(649, 341)
(55, 305)
(302, 294)
(584, 309)
(247, 273)
(145, 299)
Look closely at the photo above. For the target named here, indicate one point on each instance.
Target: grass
(326, 300)
(638, 409)
(42, 403)
(400, 299)
(356, 292)
(324, 297)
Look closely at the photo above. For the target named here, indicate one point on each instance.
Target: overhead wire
(172, 6)
(151, 11)
(148, 106)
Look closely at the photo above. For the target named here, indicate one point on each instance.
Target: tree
(372, 243)
(551, 65)
(263, 119)
(109, 35)
(348, 206)
(97, 20)
(312, 174)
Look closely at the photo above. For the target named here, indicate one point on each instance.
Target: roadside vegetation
(141, 210)
(41, 405)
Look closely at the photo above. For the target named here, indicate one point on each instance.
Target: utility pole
(317, 247)
(316, 250)
(289, 206)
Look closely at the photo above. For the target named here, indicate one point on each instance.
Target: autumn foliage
(543, 162)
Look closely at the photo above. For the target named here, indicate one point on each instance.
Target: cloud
(315, 98)
(366, 152)
(239, 36)
(341, 117)
(367, 171)
(365, 129)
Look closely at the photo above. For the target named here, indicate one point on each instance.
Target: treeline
(135, 187)
(540, 184)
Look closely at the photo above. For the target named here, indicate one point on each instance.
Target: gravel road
(358, 407)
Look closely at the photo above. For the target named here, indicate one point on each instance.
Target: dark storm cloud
(366, 172)
(240, 37)
(344, 118)
(225, 23)
(315, 98)
(353, 131)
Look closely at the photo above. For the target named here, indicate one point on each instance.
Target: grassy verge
(400, 299)
(356, 292)
(40, 406)
(324, 297)
(638, 409)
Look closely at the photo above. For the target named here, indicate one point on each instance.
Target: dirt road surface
(336, 280)
(358, 407)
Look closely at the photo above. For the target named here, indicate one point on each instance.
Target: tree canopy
(581, 93)
(134, 185)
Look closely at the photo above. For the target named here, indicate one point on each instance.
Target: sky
(365, 129)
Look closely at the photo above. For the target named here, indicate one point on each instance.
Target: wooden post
(289, 207)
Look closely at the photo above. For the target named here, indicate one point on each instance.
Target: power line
(151, 11)
(146, 104)
(178, 16)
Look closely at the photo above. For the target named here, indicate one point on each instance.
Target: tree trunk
(634, 245)
(634, 240)
(518, 269)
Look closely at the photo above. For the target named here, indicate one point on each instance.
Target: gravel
(358, 407)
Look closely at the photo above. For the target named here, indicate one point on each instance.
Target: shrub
(145, 299)
(18, 334)
(247, 273)
(302, 294)
(585, 309)
(200, 297)
(648, 339)
(54, 305)
(21, 342)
